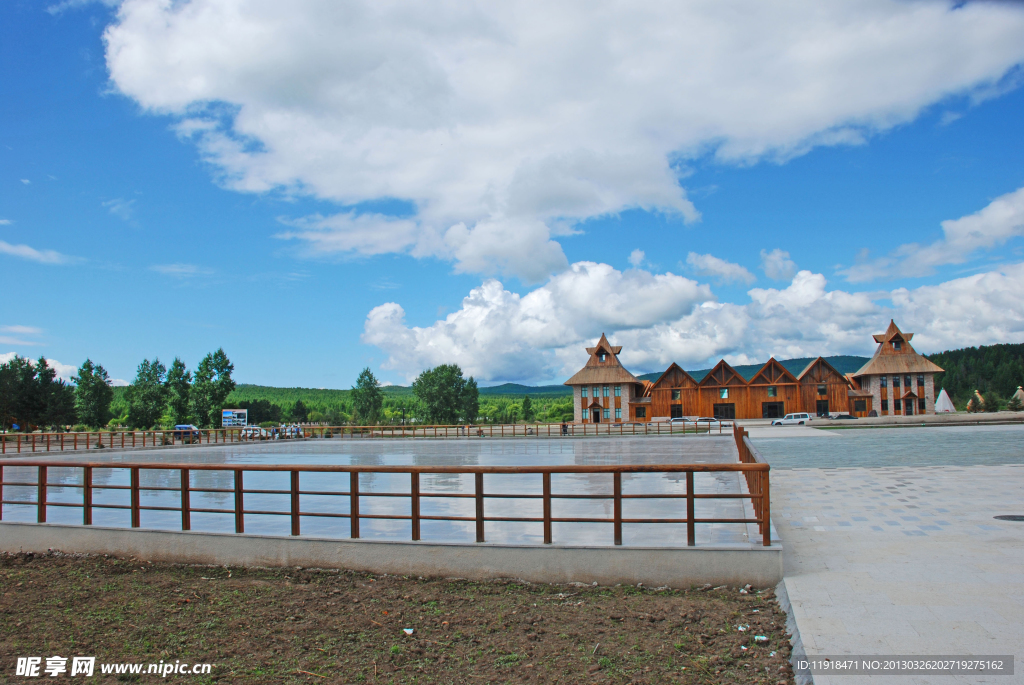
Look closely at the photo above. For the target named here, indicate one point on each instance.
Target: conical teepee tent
(1019, 394)
(943, 403)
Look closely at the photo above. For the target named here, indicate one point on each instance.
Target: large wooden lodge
(895, 381)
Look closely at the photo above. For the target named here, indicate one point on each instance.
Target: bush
(79, 428)
(991, 401)
(1014, 404)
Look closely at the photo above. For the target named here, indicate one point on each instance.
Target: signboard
(231, 418)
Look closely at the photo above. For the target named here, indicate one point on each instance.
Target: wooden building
(604, 390)
(897, 381)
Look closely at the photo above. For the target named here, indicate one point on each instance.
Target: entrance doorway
(725, 411)
(908, 406)
(773, 410)
(675, 411)
(822, 407)
(595, 415)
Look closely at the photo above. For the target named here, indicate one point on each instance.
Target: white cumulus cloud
(499, 335)
(34, 255)
(719, 269)
(504, 124)
(992, 226)
(777, 265)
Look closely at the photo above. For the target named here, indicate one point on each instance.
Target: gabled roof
(771, 373)
(607, 371)
(889, 360)
(675, 370)
(828, 367)
(723, 374)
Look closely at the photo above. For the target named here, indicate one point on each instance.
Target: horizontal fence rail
(756, 474)
(17, 443)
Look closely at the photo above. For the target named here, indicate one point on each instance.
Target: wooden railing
(758, 487)
(756, 474)
(61, 442)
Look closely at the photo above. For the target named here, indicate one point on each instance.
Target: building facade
(898, 380)
(604, 391)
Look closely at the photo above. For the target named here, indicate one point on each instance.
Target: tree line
(995, 371)
(31, 396)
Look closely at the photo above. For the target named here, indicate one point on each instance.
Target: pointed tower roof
(896, 356)
(603, 366)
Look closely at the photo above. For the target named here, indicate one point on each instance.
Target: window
(885, 405)
(641, 412)
(920, 381)
(595, 392)
(607, 413)
(618, 391)
(906, 381)
(896, 404)
(618, 413)
(822, 389)
(675, 411)
(896, 346)
(677, 394)
(895, 381)
(860, 405)
(601, 357)
(583, 392)
(723, 393)
(772, 392)
(604, 391)
(920, 404)
(883, 381)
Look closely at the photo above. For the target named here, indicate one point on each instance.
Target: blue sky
(319, 190)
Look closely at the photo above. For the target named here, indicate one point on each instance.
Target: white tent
(943, 403)
(1019, 394)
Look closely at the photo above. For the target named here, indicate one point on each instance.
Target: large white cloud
(499, 335)
(992, 226)
(509, 121)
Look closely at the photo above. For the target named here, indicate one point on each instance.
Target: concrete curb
(802, 677)
(655, 566)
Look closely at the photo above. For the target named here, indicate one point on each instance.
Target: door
(822, 407)
(596, 415)
(725, 411)
(908, 406)
(675, 411)
(773, 410)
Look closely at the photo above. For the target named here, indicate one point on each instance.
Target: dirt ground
(316, 626)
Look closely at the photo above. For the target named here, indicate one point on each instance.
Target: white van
(792, 420)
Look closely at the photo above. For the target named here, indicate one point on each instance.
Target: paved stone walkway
(904, 561)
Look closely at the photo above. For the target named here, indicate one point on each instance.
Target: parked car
(186, 432)
(711, 421)
(793, 420)
(254, 433)
(843, 417)
(678, 419)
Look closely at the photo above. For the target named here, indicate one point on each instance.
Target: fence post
(547, 508)
(19, 443)
(136, 518)
(691, 533)
(41, 495)
(1, 490)
(296, 519)
(239, 503)
(415, 491)
(479, 507)
(353, 498)
(87, 496)
(186, 501)
(766, 510)
(617, 496)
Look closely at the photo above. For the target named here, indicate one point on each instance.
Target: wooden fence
(756, 475)
(61, 442)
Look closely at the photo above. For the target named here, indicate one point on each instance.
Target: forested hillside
(997, 369)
